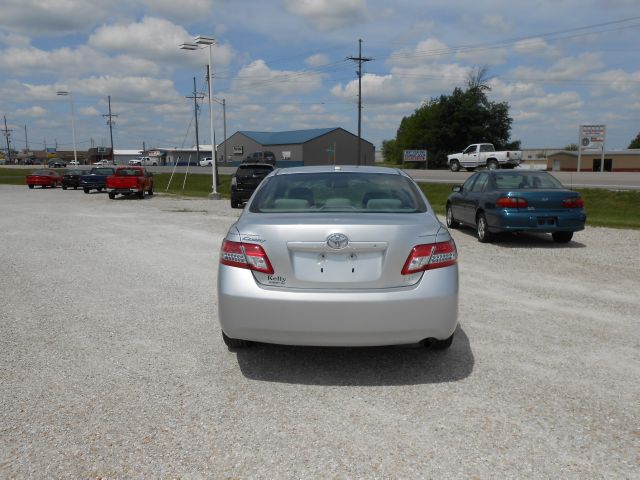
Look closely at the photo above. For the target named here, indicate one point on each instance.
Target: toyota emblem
(337, 241)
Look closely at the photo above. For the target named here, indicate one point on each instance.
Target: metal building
(319, 146)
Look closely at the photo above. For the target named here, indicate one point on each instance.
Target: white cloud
(52, 16)
(152, 37)
(330, 14)
(497, 23)
(89, 111)
(34, 111)
(484, 56)
(157, 39)
(537, 47)
(182, 10)
(565, 69)
(317, 60)
(258, 78)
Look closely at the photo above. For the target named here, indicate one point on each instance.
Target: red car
(130, 180)
(44, 178)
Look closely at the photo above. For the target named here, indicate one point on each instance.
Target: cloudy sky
(282, 65)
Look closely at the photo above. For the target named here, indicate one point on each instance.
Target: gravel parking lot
(112, 364)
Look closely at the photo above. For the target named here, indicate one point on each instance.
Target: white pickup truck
(145, 161)
(483, 155)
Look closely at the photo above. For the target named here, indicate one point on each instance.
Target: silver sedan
(338, 256)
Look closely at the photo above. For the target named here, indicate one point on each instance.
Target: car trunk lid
(337, 250)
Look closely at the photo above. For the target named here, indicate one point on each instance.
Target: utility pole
(26, 140)
(110, 123)
(360, 59)
(7, 134)
(195, 109)
(224, 119)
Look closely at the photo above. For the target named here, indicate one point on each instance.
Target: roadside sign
(414, 156)
(592, 136)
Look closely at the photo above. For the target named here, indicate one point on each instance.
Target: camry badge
(337, 241)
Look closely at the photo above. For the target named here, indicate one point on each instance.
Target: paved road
(112, 365)
(615, 181)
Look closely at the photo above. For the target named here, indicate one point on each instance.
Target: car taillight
(573, 202)
(512, 202)
(245, 255)
(430, 256)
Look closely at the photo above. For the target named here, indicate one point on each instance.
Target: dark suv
(245, 181)
(261, 157)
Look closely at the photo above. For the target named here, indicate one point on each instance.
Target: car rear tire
(235, 203)
(30, 186)
(112, 195)
(493, 165)
(451, 222)
(482, 229)
(454, 166)
(86, 190)
(64, 188)
(562, 237)
(141, 194)
(442, 344)
(150, 190)
(234, 342)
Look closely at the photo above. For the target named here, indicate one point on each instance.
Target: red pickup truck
(130, 180)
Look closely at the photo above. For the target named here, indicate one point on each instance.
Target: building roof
(292, 137)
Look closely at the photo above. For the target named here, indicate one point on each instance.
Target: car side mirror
(457, 188)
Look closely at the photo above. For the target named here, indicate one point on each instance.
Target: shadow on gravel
(363, 366)
(526, 240)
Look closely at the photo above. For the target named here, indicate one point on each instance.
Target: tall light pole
(64, 93)
(202, 41)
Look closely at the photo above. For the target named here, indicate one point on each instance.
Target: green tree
(635, 143)
(572, 147)
(449, 123)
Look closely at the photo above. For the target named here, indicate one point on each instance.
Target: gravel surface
(112, 364)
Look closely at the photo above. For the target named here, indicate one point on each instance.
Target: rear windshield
(338, 192)
(129, 172)
(261, 170)
(526, 180)
(102, 171)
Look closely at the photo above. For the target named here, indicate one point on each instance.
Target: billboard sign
(592, 137)
(414, 155)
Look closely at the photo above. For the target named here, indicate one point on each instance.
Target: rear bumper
(242, 195)
(249, 311)
(544, 222)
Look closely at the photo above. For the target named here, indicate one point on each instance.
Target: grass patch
(195, 185)
(605, 208)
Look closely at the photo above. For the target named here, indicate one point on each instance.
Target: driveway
(112, 363)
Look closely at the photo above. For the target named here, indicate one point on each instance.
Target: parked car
(131, 180)
(57, 164)
(483, 155)
(261, 157)
(516, 201)
(246, 179)
(102, 162)
(44, 178)
(74, 163)
(338, 256)
(71, 178)
(206, 162)
(96, 179)
(143, 161)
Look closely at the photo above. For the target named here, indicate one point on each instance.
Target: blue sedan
(516, 201)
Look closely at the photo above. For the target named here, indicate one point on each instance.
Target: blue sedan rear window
(338, 192)
(526, 180)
